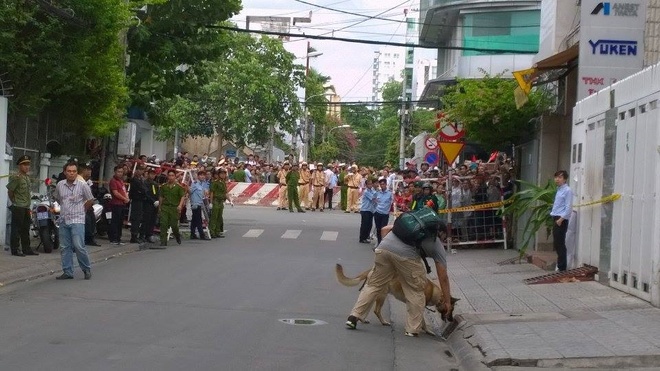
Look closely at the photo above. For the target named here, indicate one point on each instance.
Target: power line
(396, 20)
(374, 42)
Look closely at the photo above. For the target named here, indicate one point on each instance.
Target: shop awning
(559, 60)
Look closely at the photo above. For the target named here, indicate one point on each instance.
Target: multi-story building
(510, 29)
(389, 63)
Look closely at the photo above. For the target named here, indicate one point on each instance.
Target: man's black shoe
(364, 241)
(88, 274)
(33, 253)
(301, 211)
(18, 253)
(162, 246)
(351, 322)
(64, 276)
(93, 243)
(178, 239)
(193, 237)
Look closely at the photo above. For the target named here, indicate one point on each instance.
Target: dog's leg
(379, 305)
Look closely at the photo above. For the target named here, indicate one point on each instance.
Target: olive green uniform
(216, 224)
(239, 175)
(171, 196)
(343, 194)
(20, 213)
(292, 178)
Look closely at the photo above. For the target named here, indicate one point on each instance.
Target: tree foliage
(486, 107)
(250, 88)
(65, 57)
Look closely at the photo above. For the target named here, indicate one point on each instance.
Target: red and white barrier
(262, 194)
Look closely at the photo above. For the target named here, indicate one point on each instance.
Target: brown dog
(432, 293)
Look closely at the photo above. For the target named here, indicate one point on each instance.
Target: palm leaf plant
(537, 201)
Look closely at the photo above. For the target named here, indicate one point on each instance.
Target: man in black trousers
(138, 194)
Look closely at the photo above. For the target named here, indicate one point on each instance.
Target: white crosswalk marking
(291, 234)
(254, 233)
(329, 236)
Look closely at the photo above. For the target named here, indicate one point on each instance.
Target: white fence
(616, 149)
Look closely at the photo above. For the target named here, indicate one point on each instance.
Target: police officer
(218, 196)
(292, 189)
(171, 201)
(343, 191)
(281, 178)
(18, 190)
(149, 206)
(137, 194)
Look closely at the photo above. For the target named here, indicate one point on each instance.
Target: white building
(389, 63)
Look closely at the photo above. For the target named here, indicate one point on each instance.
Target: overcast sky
(348, 64)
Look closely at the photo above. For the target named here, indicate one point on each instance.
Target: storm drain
(303, 321)
(584, 273)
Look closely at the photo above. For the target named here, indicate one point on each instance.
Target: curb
(468, 357)
(49, 268)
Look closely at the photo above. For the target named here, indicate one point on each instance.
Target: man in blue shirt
(561, 213)
(367, 208)
(198, 190)
(383, 200)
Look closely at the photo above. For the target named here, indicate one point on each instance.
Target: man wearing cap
(170, 205)
(18, 190)
(383, 198)
(150, 206)
(281, 178)
(303, 185)
(218, 196)
(353, 180)
(292, 189)
(318, 181)
(343, 190)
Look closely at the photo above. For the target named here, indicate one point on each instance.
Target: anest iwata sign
(611, 43)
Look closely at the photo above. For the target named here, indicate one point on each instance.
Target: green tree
(487, 109)
(249, 90)
(65, 58)
(171, 45)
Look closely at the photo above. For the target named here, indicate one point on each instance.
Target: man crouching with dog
(394, 260)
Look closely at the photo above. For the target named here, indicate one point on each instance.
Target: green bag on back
(414, 226)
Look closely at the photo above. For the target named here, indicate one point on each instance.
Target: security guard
(18, 190)
(318, 181)
(343, 193)
(281, 178)
(292, 189)
(303, 185)
(218, 196)
(354, 180)
(172, 199)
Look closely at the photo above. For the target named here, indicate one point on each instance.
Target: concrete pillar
(5, 161)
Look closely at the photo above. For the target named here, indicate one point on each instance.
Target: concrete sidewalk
(504, 322)
(18, 269)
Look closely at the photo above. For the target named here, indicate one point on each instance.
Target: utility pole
(406, 94)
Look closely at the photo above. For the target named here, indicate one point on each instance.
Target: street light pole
(336, 127)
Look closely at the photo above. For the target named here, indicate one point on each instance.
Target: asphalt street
(215, 305)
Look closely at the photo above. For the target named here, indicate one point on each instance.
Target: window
(501, 30)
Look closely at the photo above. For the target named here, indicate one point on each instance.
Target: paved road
(214, 306)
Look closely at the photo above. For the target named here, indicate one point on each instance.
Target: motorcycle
(102, 210)
(45, 215)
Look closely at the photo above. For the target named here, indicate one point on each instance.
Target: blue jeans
(72, 237)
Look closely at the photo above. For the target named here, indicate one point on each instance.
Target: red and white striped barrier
(263, 194)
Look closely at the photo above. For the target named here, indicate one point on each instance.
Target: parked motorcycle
(101, 209)
(45, 215)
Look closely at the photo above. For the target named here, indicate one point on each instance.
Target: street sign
(452, 131)
(230, 153)
(431, 143)
(431, 158)
(451, 150)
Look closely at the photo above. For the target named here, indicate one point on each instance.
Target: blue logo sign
(618, 9)
(613, 47)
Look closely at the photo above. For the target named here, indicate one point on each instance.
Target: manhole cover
(303, 321)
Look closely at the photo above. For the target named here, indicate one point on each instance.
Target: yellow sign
(520, 97)
(451, 150)
(525, 78)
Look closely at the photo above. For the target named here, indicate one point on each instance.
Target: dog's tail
(347, 281)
